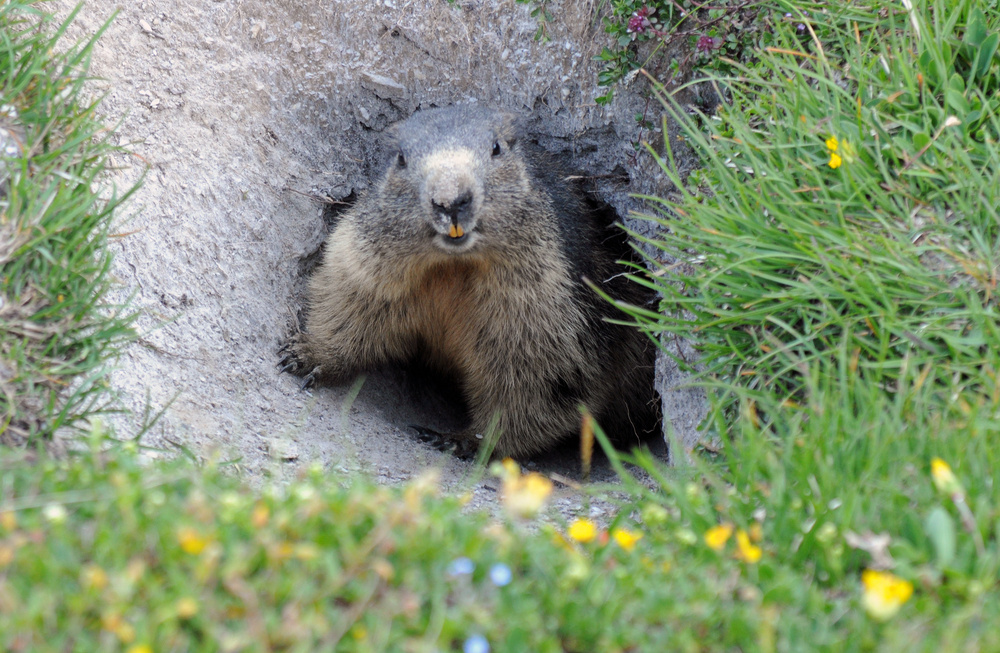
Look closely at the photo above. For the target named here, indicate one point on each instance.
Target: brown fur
(505, 309)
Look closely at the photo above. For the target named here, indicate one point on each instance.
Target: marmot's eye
(496, 148)
(401, 160)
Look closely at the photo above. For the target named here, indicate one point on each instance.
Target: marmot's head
(456, 181)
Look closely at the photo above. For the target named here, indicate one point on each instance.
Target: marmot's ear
(391, 133)
(510, 127)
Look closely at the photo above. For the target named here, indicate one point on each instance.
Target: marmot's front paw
(463, 448)
(294, 358)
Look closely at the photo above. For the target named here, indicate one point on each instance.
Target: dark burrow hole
(334, 208)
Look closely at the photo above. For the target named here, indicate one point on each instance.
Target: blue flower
(461, 567)
(476, 644)
(500, 574)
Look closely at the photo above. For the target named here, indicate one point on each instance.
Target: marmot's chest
(447, 308)
(465, 315)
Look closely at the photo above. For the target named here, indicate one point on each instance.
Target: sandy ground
(242, 110)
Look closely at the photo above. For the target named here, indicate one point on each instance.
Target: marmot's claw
(282, 349)
(309, 379)
(287, 359)
(429, 436)
(459, 447)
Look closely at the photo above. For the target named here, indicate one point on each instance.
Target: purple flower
(708, 43)
(639, 22)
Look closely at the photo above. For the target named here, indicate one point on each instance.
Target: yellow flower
(745, 550)
(187, 607)
(260, 515)
(840, 152)
(191, 540)
(306, 551)
(717, 536)
(523, 495)
(279, 551)
(582, 530)
(113, 623)
(884, 593)
(93, 577)
(509, 467)
(140, 648)
(943, 477)
(625, 538)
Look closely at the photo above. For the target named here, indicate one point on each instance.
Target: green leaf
(921, 140)
(956, 83)
(975, 30)
(986, 52)
(925, 60)
(940, 528)
(956, 101)
(606, 55)
(931, 68)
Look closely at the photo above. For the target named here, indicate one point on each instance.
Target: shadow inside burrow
(414, 397)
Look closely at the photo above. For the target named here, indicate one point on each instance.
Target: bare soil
(242, 113)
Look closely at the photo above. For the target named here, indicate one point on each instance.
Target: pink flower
(639, 22)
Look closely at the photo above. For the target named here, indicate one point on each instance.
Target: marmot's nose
(457, 210)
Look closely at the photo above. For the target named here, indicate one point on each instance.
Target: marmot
(473, 255)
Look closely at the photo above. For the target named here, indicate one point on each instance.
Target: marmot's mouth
(450, 242)
(456, 235)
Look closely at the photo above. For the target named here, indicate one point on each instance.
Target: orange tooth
(456, 231)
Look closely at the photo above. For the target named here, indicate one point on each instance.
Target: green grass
(847, 319)
(55, 336)
(887, 262)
